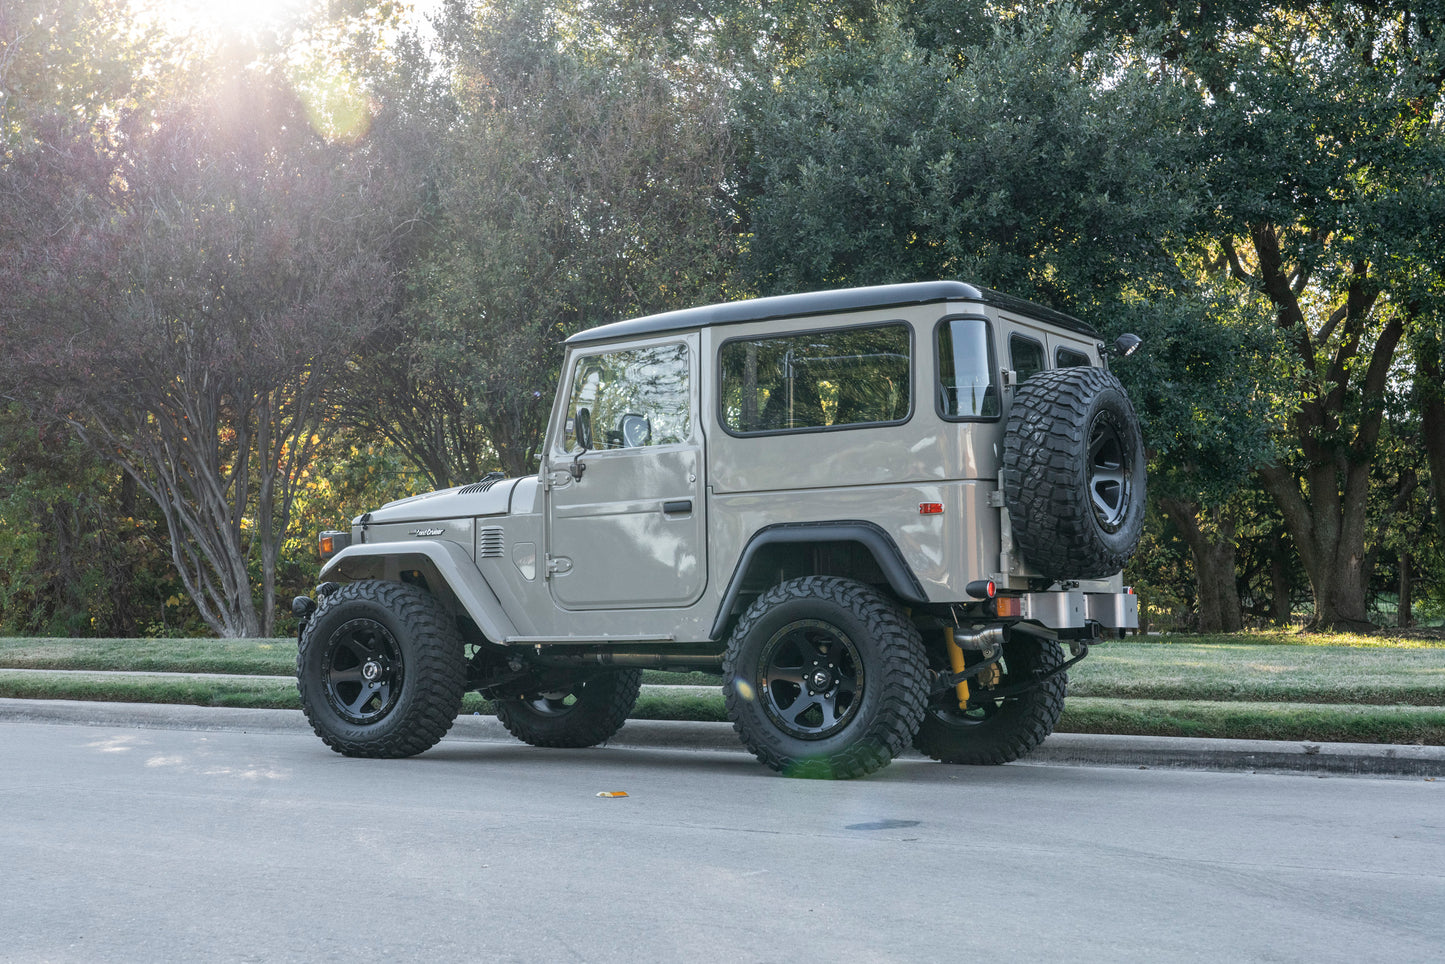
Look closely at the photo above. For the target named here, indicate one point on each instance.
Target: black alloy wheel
(991, 730)
(573, 713)
(812, 674)
(1110, 472)
(362, 671)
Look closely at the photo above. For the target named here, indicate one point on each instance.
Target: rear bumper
(1074, 608)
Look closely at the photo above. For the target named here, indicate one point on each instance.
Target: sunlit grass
(1262, 672)
(279, 694)
(260, 657)
(1293, 637)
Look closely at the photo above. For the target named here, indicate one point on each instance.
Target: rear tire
(380, 670)
(825, 677)
(585, 712)
(998, 731)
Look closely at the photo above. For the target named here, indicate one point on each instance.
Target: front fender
(449, 571)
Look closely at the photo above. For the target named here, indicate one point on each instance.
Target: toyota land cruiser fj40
(880, 514)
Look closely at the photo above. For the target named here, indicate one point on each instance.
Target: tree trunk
(1281, 607)
(1212, 548)
(1328, 532)
(1403, 616)
(1337, 428)
(1430, 390)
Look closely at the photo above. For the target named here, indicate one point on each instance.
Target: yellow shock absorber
(955, 659)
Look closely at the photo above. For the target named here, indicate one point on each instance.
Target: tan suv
(879, 513)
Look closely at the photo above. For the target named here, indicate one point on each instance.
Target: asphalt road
(159, 845)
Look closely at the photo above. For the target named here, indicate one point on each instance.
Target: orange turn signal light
(331, 542)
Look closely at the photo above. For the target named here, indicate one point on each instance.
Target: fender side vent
(489, 542)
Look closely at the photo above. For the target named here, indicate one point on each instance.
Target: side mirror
(583, 426)
(1126, 344)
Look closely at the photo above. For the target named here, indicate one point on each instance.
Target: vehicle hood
(479, 498)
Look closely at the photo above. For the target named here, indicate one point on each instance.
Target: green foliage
(181, 293)
(1323, 183)
(1032, 163)
(564, 190)
(1210, 388)
(80, 553)
(87, 58)
(1159, 572)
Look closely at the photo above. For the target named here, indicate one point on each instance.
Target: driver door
(626, 524)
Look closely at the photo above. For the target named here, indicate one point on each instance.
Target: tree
(81, 554)
(1206, 385)
(1038, 163)
(564, 190)
(1328, 144)
(182, 291)
(85, 58)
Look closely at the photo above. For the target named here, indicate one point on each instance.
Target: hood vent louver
(488, 480)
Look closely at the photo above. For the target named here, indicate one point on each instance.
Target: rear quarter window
(816, 381)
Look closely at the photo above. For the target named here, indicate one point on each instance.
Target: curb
(1060, 749)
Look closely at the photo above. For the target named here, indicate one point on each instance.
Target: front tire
(993, 731)
(380, 670)
(825, 677)
(583, 712)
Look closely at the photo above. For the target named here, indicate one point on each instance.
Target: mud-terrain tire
(585, 713)
(999, 731)
(1073, 472)
(825, 677)
(380, 670)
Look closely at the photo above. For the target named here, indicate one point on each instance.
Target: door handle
(676, 506)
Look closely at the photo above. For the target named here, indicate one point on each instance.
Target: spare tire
(1073, 473)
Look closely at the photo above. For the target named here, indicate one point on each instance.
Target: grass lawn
(1281, 685)
(260, 657)
(1238, 670)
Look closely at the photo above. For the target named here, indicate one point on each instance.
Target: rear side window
(1026, 356)
(966, 386)
(816, 380)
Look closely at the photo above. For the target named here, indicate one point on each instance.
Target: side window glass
(1026, 356)
(1070, 358)
(966, 387)
(630, 399)
(816, 380)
